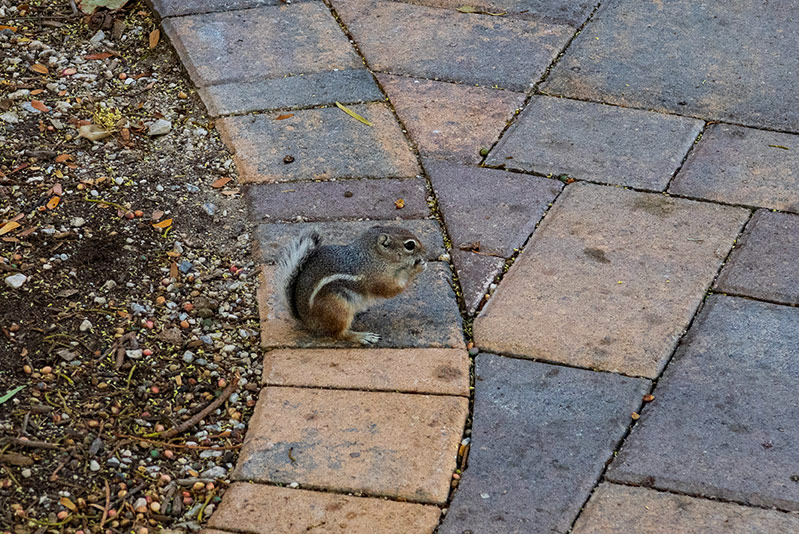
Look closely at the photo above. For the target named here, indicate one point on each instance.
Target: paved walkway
(642, 156)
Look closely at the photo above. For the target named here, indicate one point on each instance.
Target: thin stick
(107, 505)
(33, 444)
(216, 403)
(180, 445)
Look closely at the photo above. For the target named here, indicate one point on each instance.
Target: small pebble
(26, 473)
(94, 466)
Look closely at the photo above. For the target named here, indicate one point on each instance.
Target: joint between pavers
(364, 390)
(697, 140)
(750, 297)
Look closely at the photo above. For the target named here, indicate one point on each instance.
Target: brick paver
(324, 144)
(347, 199)
(572, 12)
(610, 279)
(261, 509)
(475, 273)
(596, 142)
(721, 423)
(387, 444)
(743, 166)
(450, 121)
(442, 371)
(266, 42)
(712, 60)
(765, 262)
(540, 438)
(447, 45)
(615, 509)
(175, 8)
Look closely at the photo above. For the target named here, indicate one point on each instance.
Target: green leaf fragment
(11, 393)
(352, 114)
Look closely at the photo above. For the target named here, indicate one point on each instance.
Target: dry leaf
(9, 28)
(352, 114)
(163, 224)
(65, 502)
(9, 226)
(92, 132)
(284, 116)
(41, 69)
(173, 270)
(221, 182)
(38, 104)
(53, 202)
(100, 55)
(155, 36)
(399, 203)
(61, 158)
(635, 416)
(470, 9)
(69, 71)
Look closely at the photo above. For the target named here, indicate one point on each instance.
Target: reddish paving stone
(425, 315)
(475, 273)
(388, 444)
(271, 238)
(450, 121)
(765, 263)
(177, 8)
(261, 509)
(723, 420)
(494, 51)
(325, 143)
(345, 86)
(573, 12)
(266, 42)
(614, 509)
(443, 371)
(347, 199)
(610, 279)
(743, 166)
(498, 210)
(595, 142)
(717, 60)
(541, 437)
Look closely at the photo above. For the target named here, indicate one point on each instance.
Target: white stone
(15, 281)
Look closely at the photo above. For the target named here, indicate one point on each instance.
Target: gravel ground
(127, 300)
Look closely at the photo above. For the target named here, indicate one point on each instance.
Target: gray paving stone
(345, 86)
(717, 60)
(595, 142)
(723, 420)
(573, 12)
(346, 199)
(540, 439)
(324, 144)
(495, 209)
(765, 263)
(397, 38)
(475, 273)
(743, 166)
(176, 8)
(271, 238)
(265, 42)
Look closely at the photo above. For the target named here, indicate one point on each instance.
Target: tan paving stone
(324, 144)
(261, 509)
(387, 444)
(444, 371)
(609, 280)
(450, 121)
(615, 509)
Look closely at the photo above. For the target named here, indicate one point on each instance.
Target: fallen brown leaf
(284, 116)
(41, 69)
(38, 104)
(100, 55)
(163, 224)
(61, 158)
(155, 36)
(9, 226)
(221, 182)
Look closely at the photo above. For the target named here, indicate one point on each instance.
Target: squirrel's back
(290, 264)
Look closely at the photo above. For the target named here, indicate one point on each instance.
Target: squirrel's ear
(384, 239)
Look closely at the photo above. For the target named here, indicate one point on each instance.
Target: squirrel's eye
(410, 244)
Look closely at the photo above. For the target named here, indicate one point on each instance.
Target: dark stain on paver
(656, 205)
(446, 372)
(596, 254)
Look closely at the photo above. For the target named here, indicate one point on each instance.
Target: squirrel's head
(397, 245)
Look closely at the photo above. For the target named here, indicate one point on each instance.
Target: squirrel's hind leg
(332, 315)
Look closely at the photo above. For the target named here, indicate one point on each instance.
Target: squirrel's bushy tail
(290, 264)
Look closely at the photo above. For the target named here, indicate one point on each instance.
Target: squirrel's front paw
(366, 338)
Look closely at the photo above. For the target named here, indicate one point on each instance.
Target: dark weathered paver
(493, 209)
(307, 90)
(615, 509)
(388, 444)
(347, 199)
(265, 42)
(442, 371)
(447, 45)
(262, 509)
(475, 273)
(540, 438)
(572, 12)
(450, 121)
(176, 8)
(743, 166)
(712, 60)
(324, 144)
(596, 142)
(425, 315)
(723, 420)
(609, 280)
(271, 238)
(765, 263)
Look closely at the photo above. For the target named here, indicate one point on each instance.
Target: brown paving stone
(348, 199)
(572, 12)
(425, 315)
(325, 143)
(345, 86)
(450, 121)
(271, 238)
(498, 210)
(444, 371)
(176, 8)
(609, 280)
(595, 142)
(261, 509)
(266, 42)
(475, 273)
(615, 509)
(447, 45)
(737, 165)
(389, 444)
(717, 60)
(765, 264)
